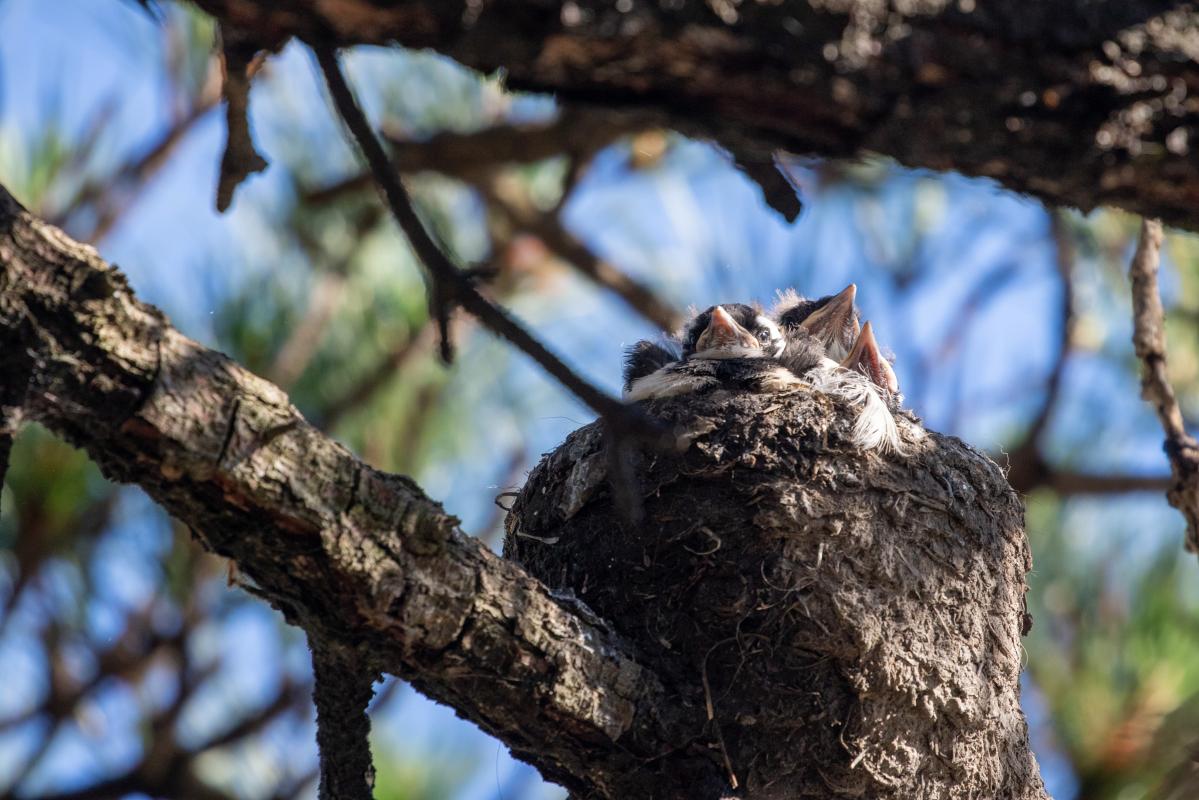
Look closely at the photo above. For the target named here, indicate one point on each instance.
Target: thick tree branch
(15, 369)
(1078, 102)
(1149, 339)
(356, 557)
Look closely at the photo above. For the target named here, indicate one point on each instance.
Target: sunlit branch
(1149, 339)
(352, 555)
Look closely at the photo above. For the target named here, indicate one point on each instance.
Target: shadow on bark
(849, 624)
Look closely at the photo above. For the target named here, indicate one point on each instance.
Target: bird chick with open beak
(832, 320)
(867, 358)
(864, 379)
(734, 346)
(731, 346)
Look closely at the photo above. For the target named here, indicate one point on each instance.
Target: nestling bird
(832, 319)
(866, 357)
(733, 346)
(874, 428)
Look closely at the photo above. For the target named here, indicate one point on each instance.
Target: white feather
(780, 379)
(874, 428)
(787, 299)
(665, 382)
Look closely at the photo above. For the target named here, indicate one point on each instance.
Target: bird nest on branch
(847, 621)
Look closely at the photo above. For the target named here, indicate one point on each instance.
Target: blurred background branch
(1149, 340)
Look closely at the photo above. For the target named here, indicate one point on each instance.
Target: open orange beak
(867, 359)
(832, 316)
(723, 333)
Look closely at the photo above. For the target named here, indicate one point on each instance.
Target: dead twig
(473, 157)
(1149, 339)
(240, 159)
(1029, 465)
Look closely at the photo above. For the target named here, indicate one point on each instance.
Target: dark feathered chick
(646, 357)
(733, 330)
(719, 348)
(736, 347)
(832, 319)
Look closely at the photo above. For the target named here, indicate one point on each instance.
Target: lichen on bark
(849, 622)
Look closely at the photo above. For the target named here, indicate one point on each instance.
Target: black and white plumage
(832, 319)
(722, 347)
(646, 357)
(733, 330)
(736, 347)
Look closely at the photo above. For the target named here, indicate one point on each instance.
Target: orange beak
(833, 315)
(867, 359)
(724, 333)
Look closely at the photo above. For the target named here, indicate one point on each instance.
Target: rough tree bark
(1078, 102)
(854, 621)
(359, 559)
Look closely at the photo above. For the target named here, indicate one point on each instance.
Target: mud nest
(850, 622)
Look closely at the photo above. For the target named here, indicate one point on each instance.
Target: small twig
(1064, 248)
(240, 159)
(710, 708)
(1149, 339)
(473, 157)
(447, 283)
(107, 198)
(342, 691)
(6, 438)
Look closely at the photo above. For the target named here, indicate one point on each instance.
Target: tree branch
(1149, 339)
(551, 232)
(109, 196)
(1076, 102)
(342, 691)
(477, 157)
(1028, 463)
(354, 556)
(447, 284)
(240, 159)
(474, 156)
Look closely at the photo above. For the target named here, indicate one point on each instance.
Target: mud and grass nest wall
(851, 622)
